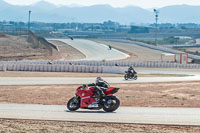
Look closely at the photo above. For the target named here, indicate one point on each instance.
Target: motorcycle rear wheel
(73, 104)
(126, 76)
(113, 106)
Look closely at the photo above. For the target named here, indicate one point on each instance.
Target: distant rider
(100, 86)
(131, 71)
(110, 47)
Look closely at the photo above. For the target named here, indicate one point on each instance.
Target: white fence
(87, 68)
(106, 63)
(63, 68)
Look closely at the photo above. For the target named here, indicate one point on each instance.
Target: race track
(87, 80)
(140, 115)
(184, 75)
(93, 50)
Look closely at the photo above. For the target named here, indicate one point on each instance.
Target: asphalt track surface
(87, 80)
(140, 115)
(93, 50)
(184, 75)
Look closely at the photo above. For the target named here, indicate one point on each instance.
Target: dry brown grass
(18, 48)
(22, 126)
(178, 94)
(70, 74)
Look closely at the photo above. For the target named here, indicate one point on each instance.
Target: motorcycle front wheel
(111, 104)
(73, 104)
(135, 77)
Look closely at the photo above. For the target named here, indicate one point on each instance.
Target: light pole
(156, 24)
(29, 18)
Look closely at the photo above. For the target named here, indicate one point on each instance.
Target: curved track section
(93, 50)
(160, 48)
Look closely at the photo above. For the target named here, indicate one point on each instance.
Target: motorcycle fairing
(85, 96)
(111, 90)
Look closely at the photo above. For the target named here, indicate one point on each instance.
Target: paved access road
(93, 50)
(142, 115)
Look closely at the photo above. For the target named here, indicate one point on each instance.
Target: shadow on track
(88, 111)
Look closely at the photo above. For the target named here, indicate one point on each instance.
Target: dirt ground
(67, 52)
(23, 126)
(177, 94)
(55, 74)
(193, 49)
(70, 74)
(138, 53)
(18, 48)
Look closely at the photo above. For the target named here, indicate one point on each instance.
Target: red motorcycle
(87, 98)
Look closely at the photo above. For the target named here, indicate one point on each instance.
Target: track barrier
(86, 66)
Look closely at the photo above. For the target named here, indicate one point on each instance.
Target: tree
(139, 29)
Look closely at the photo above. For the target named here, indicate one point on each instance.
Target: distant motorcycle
(88, 99)
(130, 75)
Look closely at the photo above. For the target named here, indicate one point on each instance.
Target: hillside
(17, 48)
(34, 48)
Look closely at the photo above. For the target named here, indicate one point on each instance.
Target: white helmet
(98, 79)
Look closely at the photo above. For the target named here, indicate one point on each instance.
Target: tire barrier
(63, 68)
(3, 68)
(149, 64)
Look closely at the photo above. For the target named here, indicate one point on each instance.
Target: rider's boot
(103, 98)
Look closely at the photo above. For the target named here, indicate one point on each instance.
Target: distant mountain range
(47, 12)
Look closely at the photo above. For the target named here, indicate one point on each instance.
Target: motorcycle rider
(131, 71)
(100, 86)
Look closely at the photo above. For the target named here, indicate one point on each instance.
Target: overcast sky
(114, 3)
